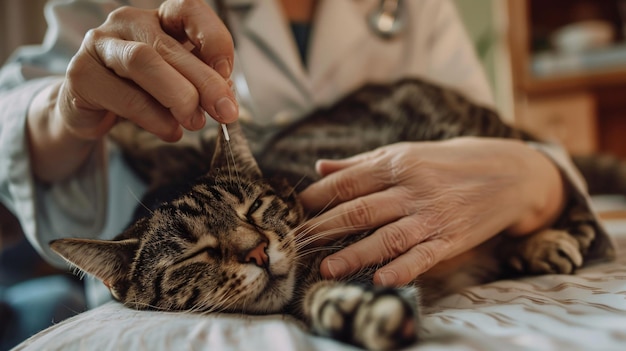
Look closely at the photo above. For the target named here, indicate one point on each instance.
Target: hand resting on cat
(431, 201)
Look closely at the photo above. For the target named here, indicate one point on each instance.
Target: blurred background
(21, 22)
(557, 68)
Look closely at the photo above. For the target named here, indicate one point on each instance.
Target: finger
(118, 96)
(198, 23)
(212, 91)
(358, 179)
(326, 167)
(144, 66)
(386, 243)
(363, 213)
(410, 265)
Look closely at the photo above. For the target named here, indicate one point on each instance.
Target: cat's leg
(547, 251)
(559, 251)
(371, 317)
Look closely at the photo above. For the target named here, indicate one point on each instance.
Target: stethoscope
(387, 21)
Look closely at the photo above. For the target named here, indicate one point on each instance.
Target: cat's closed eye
(213, 252)
(253, 208)
(209, 252)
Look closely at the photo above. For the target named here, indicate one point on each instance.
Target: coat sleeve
(77, 207)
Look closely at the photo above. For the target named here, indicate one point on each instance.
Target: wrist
(55, 150)
(543, 194)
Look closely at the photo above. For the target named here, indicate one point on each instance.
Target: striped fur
(228, 241)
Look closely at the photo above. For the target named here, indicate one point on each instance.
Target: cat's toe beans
(550, 251)
(335, 308)
(572, 254)
(385, 324)
(563, 258)
(332, 321)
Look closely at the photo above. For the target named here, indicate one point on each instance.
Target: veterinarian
(161, 64)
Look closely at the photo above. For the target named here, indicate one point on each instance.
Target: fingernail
(198, 120)
(388, 278)
(223, 67)
(226, 110)
(337, 267)
(318, 166)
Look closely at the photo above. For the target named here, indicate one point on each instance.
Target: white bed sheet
(586, 311)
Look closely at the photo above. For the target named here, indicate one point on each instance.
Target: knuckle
(346, 188)
(93, 35)
(121, 14)
(76, 68)
(395, 241)
(136, 55)
(166, 46)
(210, 84)
(136, 103)
(360, 215)
(426, 257)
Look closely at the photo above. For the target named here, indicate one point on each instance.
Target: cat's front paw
(373, 318)
(548, 251)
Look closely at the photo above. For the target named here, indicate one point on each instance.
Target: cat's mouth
(275, 293)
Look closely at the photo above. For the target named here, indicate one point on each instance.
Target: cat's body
(228, 241)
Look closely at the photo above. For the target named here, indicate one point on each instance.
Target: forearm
(55, 152)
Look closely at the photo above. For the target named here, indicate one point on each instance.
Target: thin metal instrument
(225, 131)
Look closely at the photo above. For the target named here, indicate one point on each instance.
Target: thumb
(325, 167)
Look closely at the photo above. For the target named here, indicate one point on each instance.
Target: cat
(227, 235)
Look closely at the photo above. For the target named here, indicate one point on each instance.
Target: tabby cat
(231, 240)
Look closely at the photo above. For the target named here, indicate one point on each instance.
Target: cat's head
(226, 245)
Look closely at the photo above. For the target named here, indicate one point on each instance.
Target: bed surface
(585, 311)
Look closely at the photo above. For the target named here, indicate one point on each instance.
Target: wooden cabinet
(583, 107)
(567, 118)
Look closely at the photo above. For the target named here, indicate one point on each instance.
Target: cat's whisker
(304, 237)
(224, 300)
(293, 189)
(138, 200)
(306, 231)
(322, 235)
(317, 249)
(150, 306)
(330, 202)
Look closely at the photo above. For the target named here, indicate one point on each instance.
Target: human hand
(429, 201)
(158, 68)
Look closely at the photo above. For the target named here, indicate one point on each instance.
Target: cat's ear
(108, 261)
(235, 155)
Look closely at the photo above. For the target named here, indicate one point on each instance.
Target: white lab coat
(343, 54)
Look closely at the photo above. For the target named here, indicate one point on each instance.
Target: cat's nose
(258, 255)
